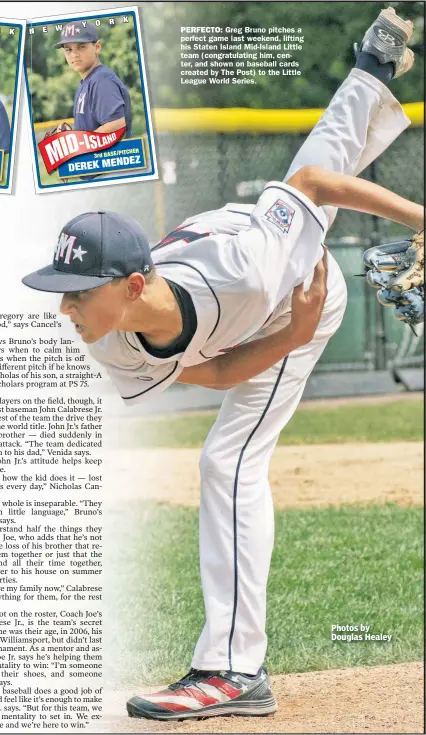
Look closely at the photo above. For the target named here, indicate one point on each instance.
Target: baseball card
(11, 58)
(88, 101)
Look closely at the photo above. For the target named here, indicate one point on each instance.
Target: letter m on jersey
(180, 234)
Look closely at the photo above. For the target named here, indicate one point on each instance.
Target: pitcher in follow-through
(244, 299)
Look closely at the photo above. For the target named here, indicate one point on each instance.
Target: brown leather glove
(61, 128)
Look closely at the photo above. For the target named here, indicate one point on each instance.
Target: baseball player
(181, 312)
(4, 129)
(102, 101)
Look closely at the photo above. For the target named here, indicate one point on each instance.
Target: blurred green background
(9, 45)
(330, 29)
(326, 26)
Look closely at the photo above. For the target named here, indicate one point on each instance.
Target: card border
(125, 179)
(6, 188)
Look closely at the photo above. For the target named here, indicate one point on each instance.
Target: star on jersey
(281, 215)
(78, 253)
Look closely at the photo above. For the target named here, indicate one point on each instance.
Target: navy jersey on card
(101, 98)
(4, 130)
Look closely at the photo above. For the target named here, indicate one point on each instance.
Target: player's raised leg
(363, 118)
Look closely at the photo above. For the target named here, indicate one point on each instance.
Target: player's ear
(98, 47)
(135, 284)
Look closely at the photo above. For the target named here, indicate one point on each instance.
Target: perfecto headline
(240, 31)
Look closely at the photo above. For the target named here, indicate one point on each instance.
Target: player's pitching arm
(247, 360)
(323, 187)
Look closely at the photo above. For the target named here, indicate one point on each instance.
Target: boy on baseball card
(88, 101)
(11, 59)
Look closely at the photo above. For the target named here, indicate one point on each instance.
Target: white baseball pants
(236, 512)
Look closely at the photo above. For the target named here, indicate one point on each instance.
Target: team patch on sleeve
(281, 215)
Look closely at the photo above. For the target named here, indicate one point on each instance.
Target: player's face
(95, 313)
(81, 56)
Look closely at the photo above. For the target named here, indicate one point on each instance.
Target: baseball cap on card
(77, 31)
(92, 250)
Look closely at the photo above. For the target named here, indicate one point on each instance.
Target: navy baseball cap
(92, 250)
(77, 31)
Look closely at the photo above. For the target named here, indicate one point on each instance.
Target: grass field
(385, 422)
(335, 565)
(341, 566)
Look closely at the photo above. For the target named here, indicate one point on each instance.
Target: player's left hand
(61, 128)
(307, 306)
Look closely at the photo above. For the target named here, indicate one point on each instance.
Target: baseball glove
(396, 270)
(61, 128)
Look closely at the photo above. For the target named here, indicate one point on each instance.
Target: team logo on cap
(66, 250)
(70, 30)
(281, 215)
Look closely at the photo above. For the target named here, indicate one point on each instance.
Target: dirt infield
(300, 477)
(386, 699)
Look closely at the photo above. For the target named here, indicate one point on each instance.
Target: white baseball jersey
(239, 264)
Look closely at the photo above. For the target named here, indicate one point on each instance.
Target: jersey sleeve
(134, 378)
(285, 238)
(107, 101)
(151, 380)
